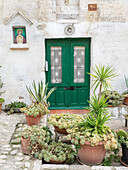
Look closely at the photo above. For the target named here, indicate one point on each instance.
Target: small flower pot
(92, 155)
(31, 120)
(62, 131)
(125, 153)
(56, 162)
(25, 145)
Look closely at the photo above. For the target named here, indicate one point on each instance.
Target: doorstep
(74, 111)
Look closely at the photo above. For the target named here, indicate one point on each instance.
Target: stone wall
(107, 28)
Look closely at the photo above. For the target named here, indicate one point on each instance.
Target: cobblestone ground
(12, 158)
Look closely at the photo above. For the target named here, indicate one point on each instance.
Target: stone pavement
(12, 158)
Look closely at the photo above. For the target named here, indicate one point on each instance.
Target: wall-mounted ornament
(92, 7)
(19, 35)
(66, 2)
(69, 29)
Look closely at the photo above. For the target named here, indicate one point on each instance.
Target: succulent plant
(35, 109)
(38, 137)
(122, 137)
(57, 152)
(16, 105)
(65, 120)
(114, 98)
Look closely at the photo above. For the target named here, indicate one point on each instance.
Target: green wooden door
(68, 64)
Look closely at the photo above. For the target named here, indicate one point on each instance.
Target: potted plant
(123, 140)
(1, 99)
(125, 101)
(92, 136)
(64, 122)
(14, 107)
(34, 113)
(34, 137)
(56, 153)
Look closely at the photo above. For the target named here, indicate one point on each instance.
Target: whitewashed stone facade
(46, 19)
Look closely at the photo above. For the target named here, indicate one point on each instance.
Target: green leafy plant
(16, 105)
(56, 152)
(123, 137)
(102, 75)
(65, 120)
(2, 100)
(35, 109)
(40, 92)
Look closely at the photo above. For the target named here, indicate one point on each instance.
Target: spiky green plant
(126, 82)
(102, 75)
(123, 137)
(40, 92)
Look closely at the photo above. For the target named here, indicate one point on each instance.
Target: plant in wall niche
(56, 153)
(40, 92)
(34, 138)
(1, 99)
(64, 122)
(34, 112)
(123, 140)
(14, 107)
(92, 136)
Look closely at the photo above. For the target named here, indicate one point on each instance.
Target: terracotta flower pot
(125, 101)
(31, 120)
(92, 154)
(56, 162)
(25, 145)
(62, 131)
(0, 106)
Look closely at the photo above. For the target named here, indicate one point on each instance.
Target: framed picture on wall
(19, 35)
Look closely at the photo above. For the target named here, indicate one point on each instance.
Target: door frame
(46, 72)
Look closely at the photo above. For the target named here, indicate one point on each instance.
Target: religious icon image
(19, 35)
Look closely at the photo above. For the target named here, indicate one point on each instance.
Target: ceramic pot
(25, 145)
(125, 101)
(62, 131)
(31, 120)
(92, 154)
(0, 106)
(125, 153)
(56, 162)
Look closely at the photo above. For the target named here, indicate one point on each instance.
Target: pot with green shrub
(34, 112)
(64, 122)
(92, 137)
(34, 138)
(123, 140)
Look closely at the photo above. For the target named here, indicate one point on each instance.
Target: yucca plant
(102, 75)
(40, 92)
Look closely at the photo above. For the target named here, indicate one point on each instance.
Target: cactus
(121, 133)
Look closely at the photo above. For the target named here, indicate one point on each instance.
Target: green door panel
(68, 65)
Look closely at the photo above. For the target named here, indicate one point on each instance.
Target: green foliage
(114, 98)
(58, 152)
(16, 105)
(2, 100)
(40, 92)
(123, 137)
(65, 120)
(35, 109)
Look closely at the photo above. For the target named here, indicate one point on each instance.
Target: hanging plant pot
(25, 145)
(125, 153)
(62, 131)
(92, 154)
(31, 120)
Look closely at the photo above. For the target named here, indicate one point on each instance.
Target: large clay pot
(31, 120)
(25, 145)
(0, 106)
(125, 101)
(62, 131)
(92, 154)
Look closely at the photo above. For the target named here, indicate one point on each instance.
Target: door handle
(69, 88)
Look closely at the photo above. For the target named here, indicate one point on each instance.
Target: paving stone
(8, 149)
(3, 156)
(16, 146)
(27, 164)
(19, 158)
(17, 163)
(16, 141)
(102, 168)
(14, 152)
(6, 146)
(25, 169)
(6, 153)
(2, 161)
(54, 167)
